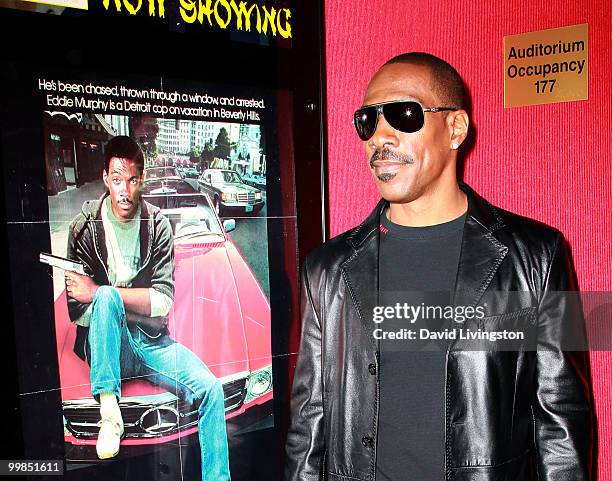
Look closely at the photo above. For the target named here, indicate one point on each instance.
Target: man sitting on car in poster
(121, 307)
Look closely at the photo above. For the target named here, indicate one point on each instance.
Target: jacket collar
(480, 211)
(481, 255)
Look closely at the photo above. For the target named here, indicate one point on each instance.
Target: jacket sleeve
(161, 278)
(78, 250)
(162, 275)
(562, 412)
(305, 438)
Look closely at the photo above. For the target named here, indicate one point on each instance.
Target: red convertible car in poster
(220, 312)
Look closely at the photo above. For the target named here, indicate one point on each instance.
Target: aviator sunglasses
(404, 115)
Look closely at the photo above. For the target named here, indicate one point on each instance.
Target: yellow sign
(546, 66)
(242, 15)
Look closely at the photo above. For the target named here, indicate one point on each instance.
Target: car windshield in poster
(205, 173)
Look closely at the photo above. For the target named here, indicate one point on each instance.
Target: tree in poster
(222, 145)
(195, 156)
(144, 130)
(207, 155)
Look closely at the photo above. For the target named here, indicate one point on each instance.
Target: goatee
(386, 176)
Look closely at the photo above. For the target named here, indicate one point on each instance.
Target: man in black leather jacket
(516, 414)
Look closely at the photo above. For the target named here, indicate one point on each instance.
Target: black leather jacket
(510, 415)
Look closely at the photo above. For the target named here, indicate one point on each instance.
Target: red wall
(549, 162)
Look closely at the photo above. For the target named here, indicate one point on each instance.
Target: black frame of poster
(112, 44)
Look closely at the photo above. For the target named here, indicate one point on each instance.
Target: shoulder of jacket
(158, 220)
(155, 214)
(88, 212)
(78, 221)
(332, 252)
(152, 210)
(529, 233)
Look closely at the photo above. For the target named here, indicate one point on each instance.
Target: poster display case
(227, 115)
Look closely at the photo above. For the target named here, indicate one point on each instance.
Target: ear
(105, 178)
(459, 124)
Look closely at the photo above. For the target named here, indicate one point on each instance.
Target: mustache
(387, 154)
(125, 199)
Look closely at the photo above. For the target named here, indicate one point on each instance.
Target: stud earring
(454, 146)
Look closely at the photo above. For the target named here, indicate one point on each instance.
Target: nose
(385, 135)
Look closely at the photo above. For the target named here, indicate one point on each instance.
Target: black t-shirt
(417, 266)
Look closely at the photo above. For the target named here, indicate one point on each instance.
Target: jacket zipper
(377, 359)
(97, 240)
(446, 419)
(537, 467)
(146, 260)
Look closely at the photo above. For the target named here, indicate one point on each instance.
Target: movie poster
(204, 171)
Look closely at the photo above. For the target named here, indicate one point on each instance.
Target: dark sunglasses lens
(365, 122)
(406, 117)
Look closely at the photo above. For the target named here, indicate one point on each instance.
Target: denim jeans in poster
(115, 351)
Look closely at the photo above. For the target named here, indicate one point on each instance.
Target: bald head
(445, 81)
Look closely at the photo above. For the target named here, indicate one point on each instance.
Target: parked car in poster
(229, 193)
(191, 172)
(166, 179)
(256, 180)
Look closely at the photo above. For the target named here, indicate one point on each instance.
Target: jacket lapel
(360, 270)
(100, 236)
(145, 232)
(481, 253)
